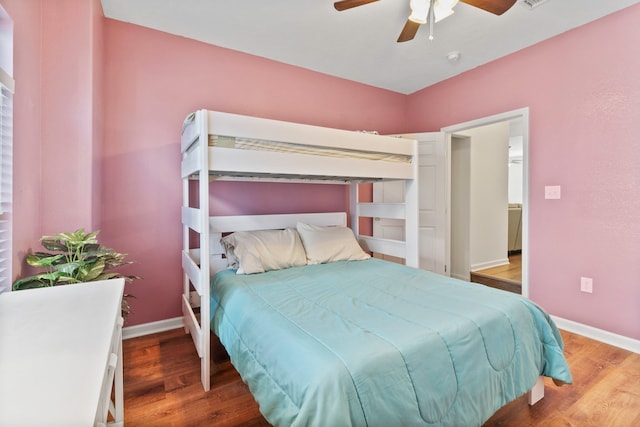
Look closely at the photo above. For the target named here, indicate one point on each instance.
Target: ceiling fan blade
(408, 31)
(348, 4)
(497, 7)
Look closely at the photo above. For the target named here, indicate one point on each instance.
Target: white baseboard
(489, 264)
(151, 328)
(606, 337)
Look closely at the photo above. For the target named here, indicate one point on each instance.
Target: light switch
(552, 192)
(586, 284)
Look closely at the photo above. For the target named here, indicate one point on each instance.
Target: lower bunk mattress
(373, 343)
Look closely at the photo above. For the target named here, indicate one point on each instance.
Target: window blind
(6, 183)
(6, 148)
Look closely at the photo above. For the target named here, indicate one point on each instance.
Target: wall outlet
(586, 284)
(552, 192)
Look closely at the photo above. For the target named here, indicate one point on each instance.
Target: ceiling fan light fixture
(442, 13)
(441, 10)
(444, 8)
(419, 11)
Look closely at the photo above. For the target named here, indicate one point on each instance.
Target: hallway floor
(507, 277)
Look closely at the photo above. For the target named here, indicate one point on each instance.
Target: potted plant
(74, 258)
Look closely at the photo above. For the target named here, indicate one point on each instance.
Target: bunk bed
(218, 145)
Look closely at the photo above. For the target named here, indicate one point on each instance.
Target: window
(6, 148)
(6, 172)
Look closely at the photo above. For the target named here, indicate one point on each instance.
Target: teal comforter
(372, 343)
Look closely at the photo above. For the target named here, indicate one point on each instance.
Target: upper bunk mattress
(286, 147)
(380, 344)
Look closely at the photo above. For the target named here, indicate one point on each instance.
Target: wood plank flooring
(506, 277)
(162, 388)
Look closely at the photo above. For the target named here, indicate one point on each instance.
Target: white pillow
(264, 250)
(327, 244)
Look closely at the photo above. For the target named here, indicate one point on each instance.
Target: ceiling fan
(423, 11)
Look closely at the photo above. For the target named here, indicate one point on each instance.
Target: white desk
(60, 355)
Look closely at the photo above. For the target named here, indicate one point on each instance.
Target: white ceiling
(360, 44)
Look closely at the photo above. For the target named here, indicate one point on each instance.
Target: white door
(432, 207)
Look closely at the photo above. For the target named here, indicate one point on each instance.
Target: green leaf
(79, 237)
(53, 245)
(75, 237)
(91, 248)
(37, 281)
(89, 272)
(27, 283)
(109, 275)
(92, 236)
(41, 259)
(63, 280)
(69, 268)
(69, 242)
(115, 260)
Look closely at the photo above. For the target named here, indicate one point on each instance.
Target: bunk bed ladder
(408, 211)
(195, 262)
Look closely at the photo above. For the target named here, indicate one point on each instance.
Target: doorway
(455, 234)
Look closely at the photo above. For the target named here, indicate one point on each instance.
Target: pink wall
(97, 109)
(68, 146)
(583, 91)
(58, 115)
(27, 131)
(152, 81)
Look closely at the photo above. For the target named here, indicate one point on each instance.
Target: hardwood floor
(162, 388)
(162, 385)
(506, 277)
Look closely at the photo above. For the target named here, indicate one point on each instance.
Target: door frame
(521, 113)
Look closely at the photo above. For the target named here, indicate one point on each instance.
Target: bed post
(205, 257)
(354, 210)
(196, 261)
(536, 393)
(186, 287)
(411, 200)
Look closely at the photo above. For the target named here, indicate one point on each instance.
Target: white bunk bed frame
(201, 161)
